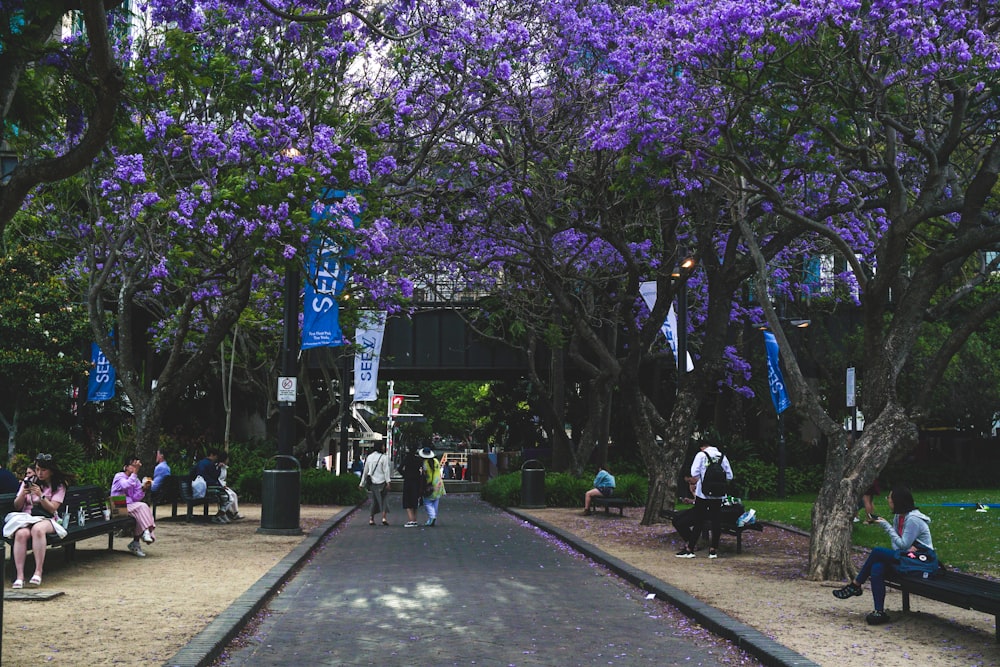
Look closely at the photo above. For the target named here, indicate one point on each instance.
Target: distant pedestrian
(706, 507)
(233, 507)
(377, 467)
(434, 484)
(413, 483)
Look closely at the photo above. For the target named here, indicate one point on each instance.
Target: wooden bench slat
(954, 588)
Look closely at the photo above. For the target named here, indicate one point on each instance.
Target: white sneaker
(136, 548)
(410, 524)
(146, 537)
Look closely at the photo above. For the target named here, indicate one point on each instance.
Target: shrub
(100, 473)
(44, 440)
(562, 489)
(316, 487)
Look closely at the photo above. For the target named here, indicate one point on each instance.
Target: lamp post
(8, 163)
(778, 394)
(681, 273)
(280, 488)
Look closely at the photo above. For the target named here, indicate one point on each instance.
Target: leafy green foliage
(758, 479)
(67, 453)
(101, 472)
(316, 487)
(41, 337)
(562, 489)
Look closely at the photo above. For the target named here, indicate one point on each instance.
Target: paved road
(480, 588)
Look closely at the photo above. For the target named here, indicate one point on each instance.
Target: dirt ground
(122, 610)
(118, 609)
(765, 588)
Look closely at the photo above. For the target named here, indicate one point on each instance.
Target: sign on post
(286, 389)
(850, 387)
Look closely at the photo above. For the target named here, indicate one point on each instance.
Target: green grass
(964, 539)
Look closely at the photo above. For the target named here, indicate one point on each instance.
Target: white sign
(850, 387)
(286, 389)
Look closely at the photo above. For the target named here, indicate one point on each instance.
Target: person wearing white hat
(433, 484)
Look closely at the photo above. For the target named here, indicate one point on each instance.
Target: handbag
(36, 510)
(921, 561)
(368, 482)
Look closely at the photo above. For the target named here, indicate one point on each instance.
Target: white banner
(669, 327)
(371, 327)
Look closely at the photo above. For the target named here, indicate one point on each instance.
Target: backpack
(713, 480)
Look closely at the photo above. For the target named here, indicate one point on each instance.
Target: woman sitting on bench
(128, 484)
(910, 529)
(604, 486)
(37, 503)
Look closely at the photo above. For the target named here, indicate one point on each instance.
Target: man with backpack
(711, 472)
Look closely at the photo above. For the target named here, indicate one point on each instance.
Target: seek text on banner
(371, 328)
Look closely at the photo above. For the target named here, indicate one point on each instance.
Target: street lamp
(778, 394)
(681, 273)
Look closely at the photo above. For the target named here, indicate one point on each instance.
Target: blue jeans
(874, 568)
(432, 507)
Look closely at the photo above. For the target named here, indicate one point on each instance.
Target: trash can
(532, 484)
(280, 502)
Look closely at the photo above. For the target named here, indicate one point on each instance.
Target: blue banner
(101, 383)
(778, 394)
(329, 267)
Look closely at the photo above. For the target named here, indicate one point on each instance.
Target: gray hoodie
(916, 530)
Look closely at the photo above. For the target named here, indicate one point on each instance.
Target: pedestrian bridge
(436, 344)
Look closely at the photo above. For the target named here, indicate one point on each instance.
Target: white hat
(426, 453)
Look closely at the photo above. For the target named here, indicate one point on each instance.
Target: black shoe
(850, 590)
(685, 553)
(877, 617)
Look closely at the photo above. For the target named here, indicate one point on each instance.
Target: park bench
(93, 499)
(176, 490)
(950, 587)
(608, 503)
(727, 525)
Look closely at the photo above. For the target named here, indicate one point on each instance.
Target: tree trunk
(11, 427)
(848, 473)
(148, 426)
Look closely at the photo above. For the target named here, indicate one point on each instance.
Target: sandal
(36, 580)
(371, 522)
(18, 584)
(384, 522)
(847, 591)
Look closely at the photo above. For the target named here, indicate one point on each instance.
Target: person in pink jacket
(128, 484)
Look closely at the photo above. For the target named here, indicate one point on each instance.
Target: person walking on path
(413, 485)
(377, 468)
(706, 507)
(434, 484)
